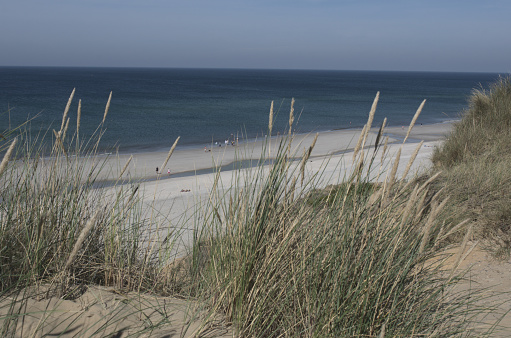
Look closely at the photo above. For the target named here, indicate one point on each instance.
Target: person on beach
(168, 171)
(156, 170)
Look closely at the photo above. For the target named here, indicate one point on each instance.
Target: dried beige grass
(291, 115)
(58, 141)
(435, 210)
(291, 120)
(380, 134)
(79, 116)
(411, 203)
(456, 228)
(80, 240)
(385, 148)
(306, 156)
(359, 142)
(7, 156)
(126, 167)
(63, 137)
(392, 176)
(415, 117)
(170, 153)
(107, 107)
(66, 110)
(431, 179)
(373, 111)
(370, 119)
(270, 122)
(412, 159)
(270, 128)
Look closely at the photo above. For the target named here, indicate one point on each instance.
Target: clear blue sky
(424, 35)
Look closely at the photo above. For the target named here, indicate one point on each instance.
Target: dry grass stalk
(126, 167)
(291, 115)
(441, 237)
(380, 134)
(431, 179)
(80, 240)
(435, 210)
(270, 128)
(270, 122)
(66, 110)
(291, 120)
(79, 116)
(392, 176)
(420, 206)
(382, 331)
(291, 192)
(63, 137)
(170, 152)
(415, 117)
(373, 111)
(359, 168)
(58, 141)
(306, 156)
(107, 107)
(412, 159)
(408, 207)
(370, 119)
(385, 147)
(359, 142)
(375, 196)
(7, 156)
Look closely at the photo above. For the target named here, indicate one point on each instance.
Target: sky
(406, 35)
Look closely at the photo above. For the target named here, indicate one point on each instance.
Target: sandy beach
(172, 198)
(197, 161)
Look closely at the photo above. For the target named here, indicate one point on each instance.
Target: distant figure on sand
(168, 171)
(156, 170)
(205, 149)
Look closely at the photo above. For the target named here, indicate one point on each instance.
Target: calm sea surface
(151, 107)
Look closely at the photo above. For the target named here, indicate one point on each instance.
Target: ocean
(151, 107)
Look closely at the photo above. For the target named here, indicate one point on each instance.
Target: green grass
(273, 253)
(475, 161)
(59, 232)
(281, 258)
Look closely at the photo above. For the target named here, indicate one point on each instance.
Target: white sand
(170, 199)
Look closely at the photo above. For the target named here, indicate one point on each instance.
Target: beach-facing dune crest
(324, 235)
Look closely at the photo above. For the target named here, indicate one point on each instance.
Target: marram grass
(60, 233)
(274, 253)
(357, 260)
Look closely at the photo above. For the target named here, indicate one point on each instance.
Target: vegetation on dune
(273, 252)
(280, 257)
(474, 162)
(60, 232)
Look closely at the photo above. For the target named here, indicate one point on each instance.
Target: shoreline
(251, 140)
(176, 197)
(193, 161)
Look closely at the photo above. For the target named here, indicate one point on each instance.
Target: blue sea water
(151, 107)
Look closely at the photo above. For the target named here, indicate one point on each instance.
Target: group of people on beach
(233, 142)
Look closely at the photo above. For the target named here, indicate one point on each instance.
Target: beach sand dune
(173, 199)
